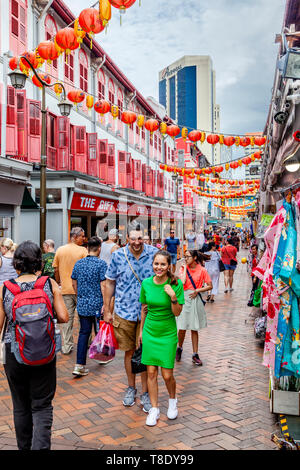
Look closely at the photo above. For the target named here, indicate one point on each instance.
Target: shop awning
(11, 191)
(28, 202)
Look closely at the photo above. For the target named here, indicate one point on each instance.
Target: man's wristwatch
(174, 301)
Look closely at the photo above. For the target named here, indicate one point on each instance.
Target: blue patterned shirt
(127, 293)
(89, 272)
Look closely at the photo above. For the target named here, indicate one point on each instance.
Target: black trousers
(32, 390)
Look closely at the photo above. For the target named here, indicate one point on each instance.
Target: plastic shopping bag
(104, 346)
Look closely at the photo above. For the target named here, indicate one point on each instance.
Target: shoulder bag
(130, 265)
(232, 261)
(221, 264)
(194, 285)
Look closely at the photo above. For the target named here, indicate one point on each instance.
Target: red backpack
(32, 328)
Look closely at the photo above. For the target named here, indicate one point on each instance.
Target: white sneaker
(230, 290)
(80, 371)
(172, 410)
(152, 417)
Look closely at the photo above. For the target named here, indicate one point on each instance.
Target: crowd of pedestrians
(151, 293)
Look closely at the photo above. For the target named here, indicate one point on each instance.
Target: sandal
(212, 300)
(208, 298)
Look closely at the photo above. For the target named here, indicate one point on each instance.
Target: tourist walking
(32, 388)
(64, 261)
(213, 269)
(110, 246)
(147, 240)
(88, 280)
(195, 281)
(7, 271)
(48, 258)
(172, 245)
(163, 297)
(128, 268)
(228, 256)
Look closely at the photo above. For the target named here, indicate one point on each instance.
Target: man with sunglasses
(128, 268)
(172, 245)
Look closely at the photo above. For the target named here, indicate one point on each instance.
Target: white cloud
(238, 35)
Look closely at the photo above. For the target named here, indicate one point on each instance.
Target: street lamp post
(18, 80)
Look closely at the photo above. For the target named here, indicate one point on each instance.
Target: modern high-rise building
(187, 89)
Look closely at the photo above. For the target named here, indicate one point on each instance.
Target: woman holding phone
(162, 299)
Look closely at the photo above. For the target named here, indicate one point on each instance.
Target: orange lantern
(60, 50)
(102, 107)
(237, 141)
(221, 139)
(89, 101)
(151, 125)
(226, 166)
(31, 57)
(184, 133)
(79, 32)
(128, 117)
(66, 39)
(104, 11)
(140, 121)
(257, 155)
(47, 51)
(244, 141)
(213, 139)
(173, 131)
(114, 110)
(76, 97)
(194, 136)
(13, 63)
(44, 77)
(122, 5)
(90, 22)
(260, 141)
(203, 137)
(163, 128)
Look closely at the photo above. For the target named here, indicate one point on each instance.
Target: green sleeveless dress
(160, 331)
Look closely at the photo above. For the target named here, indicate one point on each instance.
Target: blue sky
(237, 34)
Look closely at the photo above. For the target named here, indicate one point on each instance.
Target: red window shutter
(111, 164)
(34, 130)
(144, 177)
(11, 106)
(92, 153)
(103, 150)
(21, 124)
(122, 169)
(63, 147)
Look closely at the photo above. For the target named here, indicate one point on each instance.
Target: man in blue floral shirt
(128, 268)
(88, 280)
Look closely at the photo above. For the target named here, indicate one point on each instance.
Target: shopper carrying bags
(162, 299)
(196, 280)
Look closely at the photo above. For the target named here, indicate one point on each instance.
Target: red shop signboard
(90, 203)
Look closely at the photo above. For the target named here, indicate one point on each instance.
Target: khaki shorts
(126, 333)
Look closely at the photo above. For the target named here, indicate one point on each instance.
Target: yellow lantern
(89, 101)
(140, 120)
(203, 137)
(184, 133)
(114, 111)
(227, 166)
(163, 128)
(252, 142)
(79, 32)
(104, 11)
(253, 157)
(240, 162)
(58, 89)
(237, 141)
(221, 139)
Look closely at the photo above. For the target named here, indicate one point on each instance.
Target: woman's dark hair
(93, 243)
(210, 245)
(166, 254)
(200, 257)
(28, 258)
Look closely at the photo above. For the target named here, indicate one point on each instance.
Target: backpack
(32, 327)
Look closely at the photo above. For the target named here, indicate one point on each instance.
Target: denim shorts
(173, 258)
(228, 267)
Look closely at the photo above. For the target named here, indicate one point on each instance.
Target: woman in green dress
(162, 298)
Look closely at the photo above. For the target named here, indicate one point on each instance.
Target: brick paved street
(222, 405)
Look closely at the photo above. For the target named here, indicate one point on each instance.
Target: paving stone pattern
(222, 405)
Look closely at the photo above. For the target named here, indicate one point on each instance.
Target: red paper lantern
(213, 139)
(13, 63)
(47, 50)
(222, 182)
(90, 22)
(102, 107)
(44, 77)
(128, 117)
(152, 125)
(122, 4)
(260, 141)
(231, 165)
(67, 40)
(194, 136)
(32, 59)
(198, 171)
(257, 155)
(208, 171)
(173, 131)
(231, 183)
(229, 141)
(244, 141)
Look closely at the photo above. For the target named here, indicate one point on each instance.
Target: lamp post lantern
(18, 81)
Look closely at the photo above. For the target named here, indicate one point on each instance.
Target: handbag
(221, 265)
(232, 262)
(2, 344)
(136, 365)
(194, 285)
